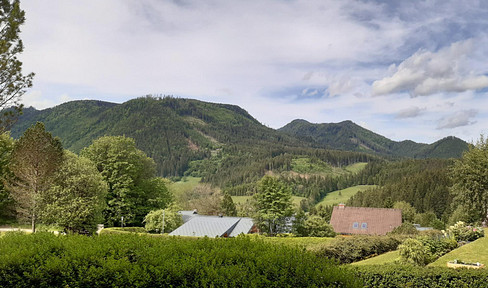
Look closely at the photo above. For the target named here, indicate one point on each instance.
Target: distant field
(242, 199)
(356, 167)
(187, 184)
(386, 258)
(341, 196)
(476, 251)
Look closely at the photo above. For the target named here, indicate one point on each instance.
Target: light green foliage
(12, 83)
(406, 228)
(273, 204)
(316, 226)
(6, 202)
(429, 219)
(408, 212)
(132, 191)
(462, 232)
(35, 159)
(228, 206)
(172, 220)
(424, 249)
(76, 199)
(470, 179)
(310, 166)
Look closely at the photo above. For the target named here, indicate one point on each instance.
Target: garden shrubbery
(412, 276)
(131, 260)
(424, 249)
(464, 233)
(356, 248)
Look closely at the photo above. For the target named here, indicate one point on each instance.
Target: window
(355, 225)
(364, 225)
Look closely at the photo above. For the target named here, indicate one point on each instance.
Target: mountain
(172, 131)
(349, 136)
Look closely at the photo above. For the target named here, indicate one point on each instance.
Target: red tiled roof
(363, 220)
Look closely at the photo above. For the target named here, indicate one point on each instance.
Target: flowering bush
(462, 232)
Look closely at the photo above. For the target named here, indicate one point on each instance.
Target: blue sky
(405, 69)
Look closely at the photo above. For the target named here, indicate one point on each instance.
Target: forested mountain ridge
(349, 136)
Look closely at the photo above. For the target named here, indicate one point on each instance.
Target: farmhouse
(365, 220)
(213, 226)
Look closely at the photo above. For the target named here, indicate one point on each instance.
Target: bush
(132, 260)
(424, 250)
(410, 276)
(462, 232)
(405, 229)
(122, 230)
(316, 226)
(356, 248)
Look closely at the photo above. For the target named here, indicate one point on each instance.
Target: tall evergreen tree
(12, 82)
(273, 202)
(35, 158)
(228, 206)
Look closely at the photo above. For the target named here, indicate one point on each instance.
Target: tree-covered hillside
(349, 136)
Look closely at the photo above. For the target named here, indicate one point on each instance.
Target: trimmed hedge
(119, 230)
(413, 276)
(355, 248)
(131, 260)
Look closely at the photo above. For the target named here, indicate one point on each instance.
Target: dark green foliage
(45, 260)
(406, 228)
(351, 137)
(7, 209)
(228, 206)
(13, 83)
(356, 248)
(424, 184)
(410, 276)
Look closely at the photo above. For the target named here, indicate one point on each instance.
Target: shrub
(405, 229)
(132, 260)
(356, 248)
(424, 250)
(122, 230)
(316, 226)
(462, 232)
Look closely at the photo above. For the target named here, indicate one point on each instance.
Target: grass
(476, 251)
(386, 258)
(186, 184)
(242, 199)
(301, 242)
(356, 167)
(341, 196)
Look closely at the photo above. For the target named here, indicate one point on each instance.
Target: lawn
(356, 167)
(341, 196)
(476, 251)
(387, 258)
(186, 184)
(302, 242)
(242, 199)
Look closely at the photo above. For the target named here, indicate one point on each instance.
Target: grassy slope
(334, 198)
(356, 167)
(242, 199)
(476, 251)
(386, 258)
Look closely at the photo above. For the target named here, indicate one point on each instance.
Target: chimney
(342, 205)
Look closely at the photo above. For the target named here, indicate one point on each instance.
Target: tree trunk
(34, 223)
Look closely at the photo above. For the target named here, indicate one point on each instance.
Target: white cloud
(458, 119)
(411, 112)
(427, 73)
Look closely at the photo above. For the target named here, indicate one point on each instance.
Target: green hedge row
(118, 230)
(131, 260)
(412, 276)
(356, 248)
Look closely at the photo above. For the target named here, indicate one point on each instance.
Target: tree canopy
(470, 180)
(12, 82)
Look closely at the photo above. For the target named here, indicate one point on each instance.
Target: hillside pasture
(386, 258)
(341, 196)
(243, 199)
(476, 251)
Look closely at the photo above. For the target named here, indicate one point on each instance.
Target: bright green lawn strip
(242, 199)
(341, 196)
(356, 167)
(386, 258)
(302, 242)
(476, 251)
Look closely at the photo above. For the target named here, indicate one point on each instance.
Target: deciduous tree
(76, 199)
(35, 159)
(470, 180)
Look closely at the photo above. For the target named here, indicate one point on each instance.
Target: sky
(414, 70)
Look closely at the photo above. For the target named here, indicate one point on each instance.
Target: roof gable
(365, 220)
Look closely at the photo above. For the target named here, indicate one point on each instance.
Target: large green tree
(76, 199)
(35, 159)
(12, 82)
(6, 147)
(470, 180)
(273, 205)
(129, 173)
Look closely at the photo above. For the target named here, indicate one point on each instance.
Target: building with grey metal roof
(214, 226)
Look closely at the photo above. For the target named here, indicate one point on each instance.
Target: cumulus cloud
(426, 73)
(410, 112)
(458, 119)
